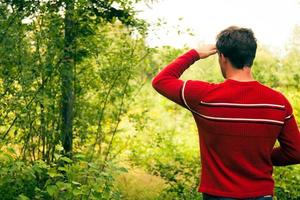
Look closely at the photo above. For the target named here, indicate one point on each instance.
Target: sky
(272, 21)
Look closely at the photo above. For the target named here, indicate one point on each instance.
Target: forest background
(79, 118)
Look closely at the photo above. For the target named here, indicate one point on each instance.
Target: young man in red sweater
(238, 120)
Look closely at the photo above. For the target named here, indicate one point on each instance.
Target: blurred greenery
(127, 141)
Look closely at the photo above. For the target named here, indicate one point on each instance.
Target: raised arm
(167, 81)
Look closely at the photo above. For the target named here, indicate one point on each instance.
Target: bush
(64, 179)
(287, 182)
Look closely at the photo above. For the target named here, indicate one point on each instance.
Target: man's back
(238, 124)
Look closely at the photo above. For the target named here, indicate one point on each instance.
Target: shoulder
(279, 97)
(274, 92)
(194, 90)
(199, 84)
(197, 87)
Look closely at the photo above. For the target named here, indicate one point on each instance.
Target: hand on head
(207, 50)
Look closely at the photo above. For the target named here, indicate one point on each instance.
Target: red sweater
(238, 124)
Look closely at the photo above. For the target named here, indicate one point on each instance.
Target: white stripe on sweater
(223, 118)
(244, 105)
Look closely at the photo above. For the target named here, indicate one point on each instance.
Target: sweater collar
(231, 81)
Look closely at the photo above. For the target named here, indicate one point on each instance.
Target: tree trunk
(67, 78)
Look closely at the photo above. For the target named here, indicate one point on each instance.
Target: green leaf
(62, 169)
(63, 186)
(66, 159)
(79, 156)
(123, 169)
(76, 183)
(77, 192)
(53, 174)
(52, 190)
(23, 197)
(11, 150)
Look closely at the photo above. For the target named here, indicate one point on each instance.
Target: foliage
(63, 179)
(163, 148)
(105, 58)
(287, 179)
(116, 115)
(138, 184)
(106, 71)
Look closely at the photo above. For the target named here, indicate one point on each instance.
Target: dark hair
(238, 45)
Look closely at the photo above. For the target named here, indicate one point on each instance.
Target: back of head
(238, 45)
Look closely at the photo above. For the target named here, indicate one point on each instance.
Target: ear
(223, 58)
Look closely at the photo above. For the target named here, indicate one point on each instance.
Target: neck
(242, 75)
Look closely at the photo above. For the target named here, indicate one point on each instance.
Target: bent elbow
(154, 83)
(297, 157)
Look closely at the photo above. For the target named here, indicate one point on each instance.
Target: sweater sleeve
(167, 81)
(288, 152)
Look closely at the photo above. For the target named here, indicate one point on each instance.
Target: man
(238, 120)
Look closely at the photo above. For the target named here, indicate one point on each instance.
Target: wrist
(195, 54)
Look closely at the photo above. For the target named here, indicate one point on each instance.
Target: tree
(56, 31)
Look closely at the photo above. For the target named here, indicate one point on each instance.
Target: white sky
(272, 21)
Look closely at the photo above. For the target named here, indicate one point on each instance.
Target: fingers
(207, 50)
(213, 52)
(208, 53)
